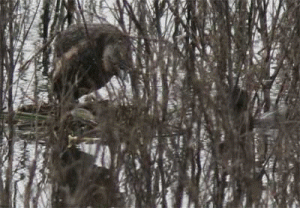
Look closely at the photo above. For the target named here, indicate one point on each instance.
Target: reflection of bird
(86, 58)
(81, 183)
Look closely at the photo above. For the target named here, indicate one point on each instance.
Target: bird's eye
(122, 65)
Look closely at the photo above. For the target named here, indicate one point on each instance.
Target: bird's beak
(123, 74)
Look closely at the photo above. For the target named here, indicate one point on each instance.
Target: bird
(86, 57)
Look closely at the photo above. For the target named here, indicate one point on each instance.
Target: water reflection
(78, 167)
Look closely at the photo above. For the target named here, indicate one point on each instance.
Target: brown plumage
(85, 60)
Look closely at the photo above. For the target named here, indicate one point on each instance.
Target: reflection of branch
(25, 66)
(185, 26)
(121, 17)
(26, 34)
(83, 19)
(137, 24)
